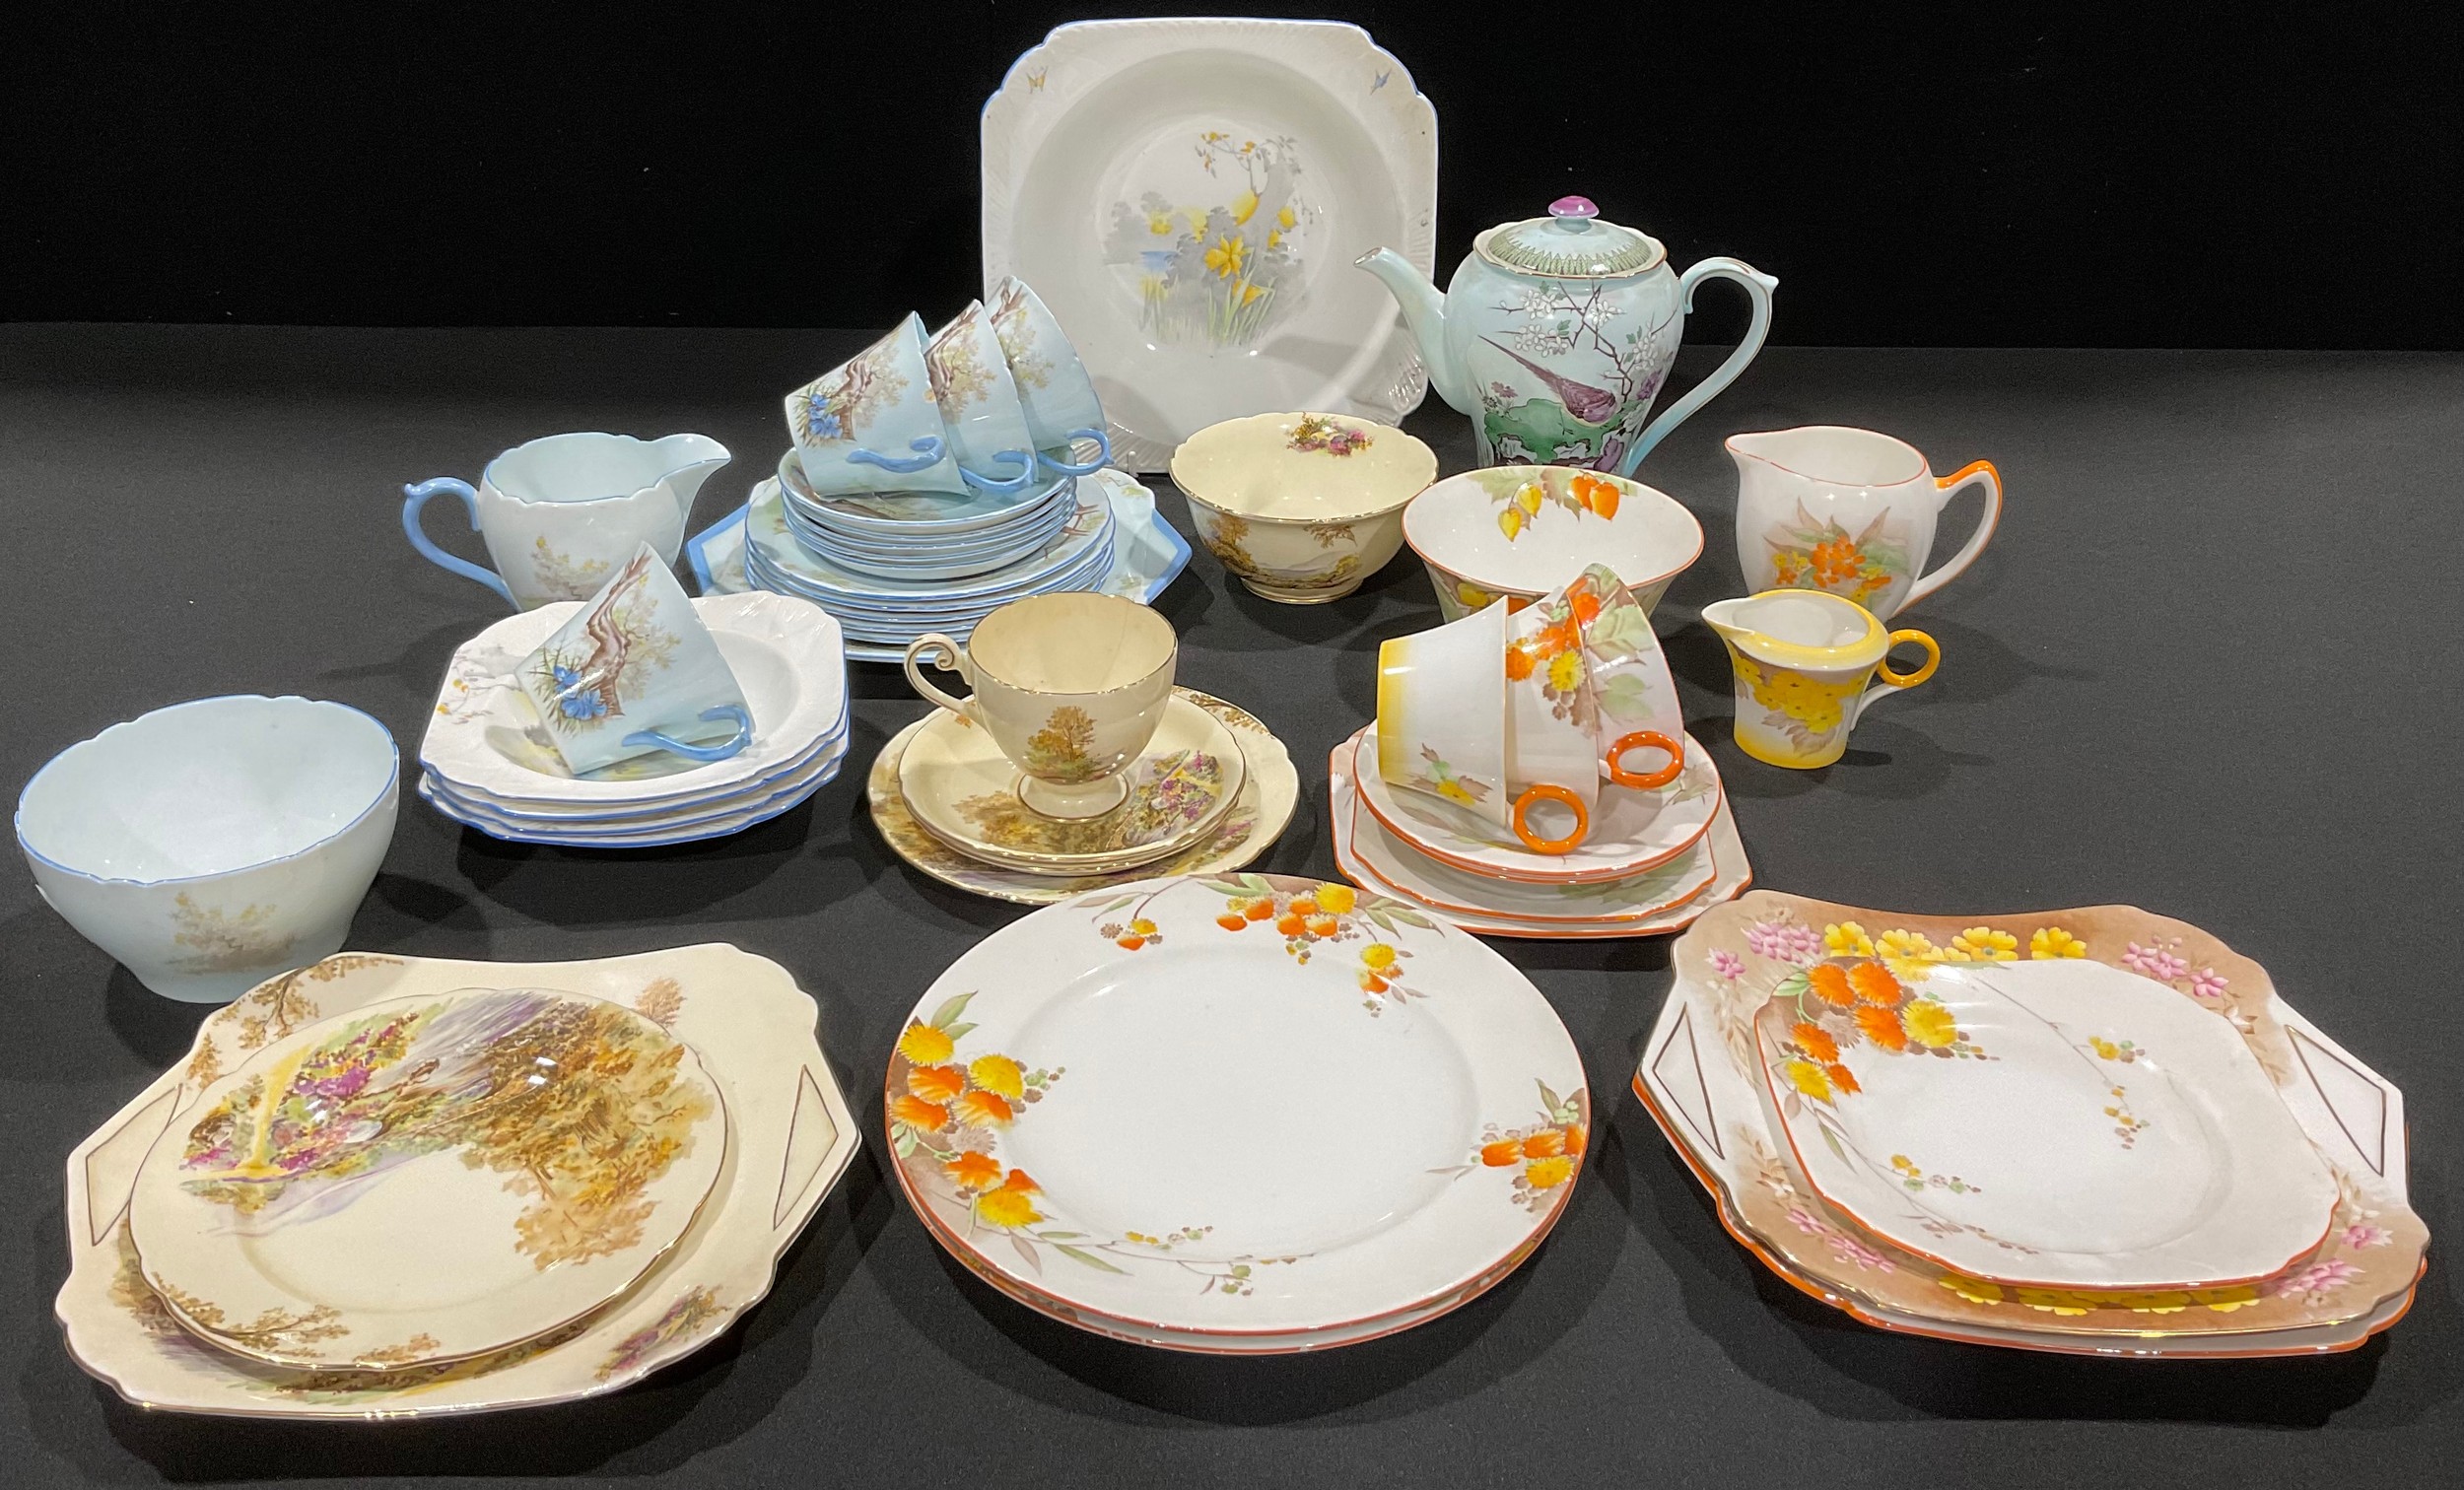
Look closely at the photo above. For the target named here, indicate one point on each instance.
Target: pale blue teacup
(1054, 391)
(978, 402)
(635, 671)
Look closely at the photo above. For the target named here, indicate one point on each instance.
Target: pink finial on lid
(1575, 207)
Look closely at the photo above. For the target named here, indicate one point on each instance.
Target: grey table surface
(2208, 665)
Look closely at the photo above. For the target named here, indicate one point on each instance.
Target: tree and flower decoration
(1221, 274)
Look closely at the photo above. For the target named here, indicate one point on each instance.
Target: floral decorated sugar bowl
(1514, 534)
(1301, 506)
(1556, 335)
(1802, 658)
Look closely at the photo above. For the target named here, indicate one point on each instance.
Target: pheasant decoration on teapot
(1557, 332)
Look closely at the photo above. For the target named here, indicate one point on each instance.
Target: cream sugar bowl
(559, 514)
(211, 844)
(1301, 506)
(1070, 686)
(1514, 534)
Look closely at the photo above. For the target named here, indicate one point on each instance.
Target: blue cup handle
(416, 498)
(929, 454)
(1023, 459)
(1102, 455)
(731, 746)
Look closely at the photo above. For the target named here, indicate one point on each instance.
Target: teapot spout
(1424, 314)
(690, 460)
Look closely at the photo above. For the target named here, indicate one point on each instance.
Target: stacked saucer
(955, 789)
(924, 535)
(488, 762)
(384, 1186)
(1256, 818)
(1148, 555)
(1074, 554)
(2131, 1146)
(1653, 861)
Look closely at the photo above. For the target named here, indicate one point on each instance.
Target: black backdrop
(1979, 173)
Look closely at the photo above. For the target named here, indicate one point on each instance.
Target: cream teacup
(1070, 686)
(636, 671)
(1585, 687)
(1442, 714)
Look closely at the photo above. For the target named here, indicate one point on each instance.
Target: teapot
(1557, 332)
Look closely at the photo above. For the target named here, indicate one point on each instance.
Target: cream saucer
(962, 790)
(1252, 825)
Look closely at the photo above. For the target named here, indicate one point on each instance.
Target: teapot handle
(1973, 473)
(1758, 286)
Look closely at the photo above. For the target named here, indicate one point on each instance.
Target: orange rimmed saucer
(1630, 832)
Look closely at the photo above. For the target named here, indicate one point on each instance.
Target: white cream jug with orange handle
(1849, 513)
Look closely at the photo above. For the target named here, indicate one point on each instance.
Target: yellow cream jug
(1802, 660)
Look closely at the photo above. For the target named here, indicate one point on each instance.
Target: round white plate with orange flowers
(1121, 1110)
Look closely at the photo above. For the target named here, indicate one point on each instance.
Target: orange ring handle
(1548, 794)
(1933, 658)
(1639, 780)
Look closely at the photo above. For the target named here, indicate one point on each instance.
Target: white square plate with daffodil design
(1705, 1077)
(788, 1136)
(1112, 1110)
(1188, 195)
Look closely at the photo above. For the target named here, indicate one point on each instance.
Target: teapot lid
(1571, 242)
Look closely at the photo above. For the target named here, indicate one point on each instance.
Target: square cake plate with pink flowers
(1040, 1105)
(2212, 1051)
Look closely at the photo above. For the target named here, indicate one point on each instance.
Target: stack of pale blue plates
(1147, 553)
(925, 535)
(891, 567)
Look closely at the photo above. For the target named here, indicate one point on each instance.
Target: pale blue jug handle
(929, 454)
(415, 498)
(1025, 461)
(733, 745)
(1758, 286)
(1103, 454)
